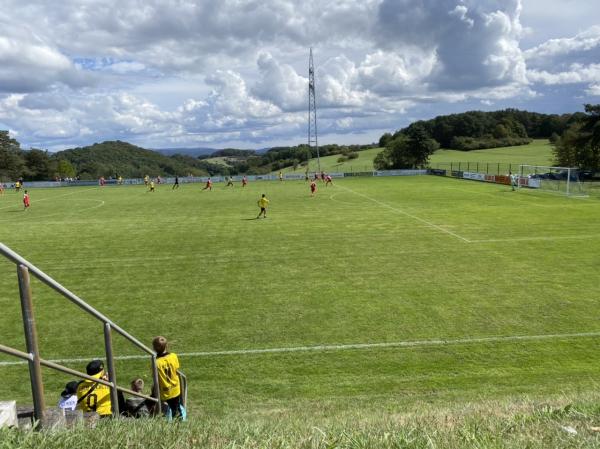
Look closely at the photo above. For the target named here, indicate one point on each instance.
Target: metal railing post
(156, 387)
(31, 341)
(110, 366)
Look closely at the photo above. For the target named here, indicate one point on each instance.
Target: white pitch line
(414, 217)
(18, 204)
(324, 348)
(531, 239)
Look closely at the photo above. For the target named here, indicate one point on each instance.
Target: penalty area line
(414, 217)
(331, 348)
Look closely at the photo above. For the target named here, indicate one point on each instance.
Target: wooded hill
(475, 130)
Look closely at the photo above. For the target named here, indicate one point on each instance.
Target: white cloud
(29, 64)
(577, 73)
(593, 90)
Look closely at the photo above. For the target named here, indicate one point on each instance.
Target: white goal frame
(534, 176)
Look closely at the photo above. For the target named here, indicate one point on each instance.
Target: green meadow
(538, 152)
(379, 294)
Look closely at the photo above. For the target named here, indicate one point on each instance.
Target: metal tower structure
(312, 111)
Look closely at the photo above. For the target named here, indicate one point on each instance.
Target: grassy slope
(539, 152)
(367, 261)
(488, 425)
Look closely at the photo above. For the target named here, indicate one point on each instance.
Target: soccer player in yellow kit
(263, 203)
(93, 396)
(168, 379)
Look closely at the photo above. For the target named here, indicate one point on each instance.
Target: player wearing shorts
(229, 182)
(208, 185)
(151, 186)
(26, 200)
(328, 180)
(263, 203)
(313, 188)
(244, 181)
(176, 185)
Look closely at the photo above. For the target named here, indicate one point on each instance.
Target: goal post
(559, 180)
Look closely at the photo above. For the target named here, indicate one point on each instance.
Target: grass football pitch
(377, 292)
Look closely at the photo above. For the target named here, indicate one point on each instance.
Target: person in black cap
(93, 396)
(68, 398)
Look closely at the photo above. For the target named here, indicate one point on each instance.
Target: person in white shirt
(68, 398)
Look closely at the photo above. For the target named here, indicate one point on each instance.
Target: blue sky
(183, 73)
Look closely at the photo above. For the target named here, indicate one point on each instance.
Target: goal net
(560, 180)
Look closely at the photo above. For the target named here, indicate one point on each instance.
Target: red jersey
(313, 186)
(26, 200)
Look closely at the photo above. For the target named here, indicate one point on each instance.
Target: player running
(313, 188)
(146, 180)
(208, 185)
(328, 180)
(281, 176)
(176, 184)
(26, 200)
(244, 181)
(263, 203)
(151, 186)
(229, 182)
(1, 188)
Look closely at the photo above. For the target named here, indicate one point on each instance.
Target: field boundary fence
(25, 270)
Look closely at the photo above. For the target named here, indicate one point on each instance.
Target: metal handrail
(18, 260)
(24, 268)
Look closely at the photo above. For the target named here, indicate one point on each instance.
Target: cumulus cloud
(29, 64)
(280, 84)
(475, 43)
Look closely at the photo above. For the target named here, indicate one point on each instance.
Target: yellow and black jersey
(168, 380)
(96, 400)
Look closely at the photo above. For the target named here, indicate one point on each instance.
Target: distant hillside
(116, 158)
(194, 152)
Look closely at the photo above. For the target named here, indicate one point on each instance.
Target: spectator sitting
(137, 407)
(93, 396)
(68, 398)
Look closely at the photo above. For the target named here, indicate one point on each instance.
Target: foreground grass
(556, 424)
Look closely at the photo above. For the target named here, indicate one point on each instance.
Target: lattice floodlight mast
(312, 111)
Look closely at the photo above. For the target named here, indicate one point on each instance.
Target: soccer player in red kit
(328, 180)
(313, 188)
(208, 185)
(26, 200)
(244, 181)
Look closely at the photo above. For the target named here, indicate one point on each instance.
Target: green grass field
(379, 293)
(538, 152)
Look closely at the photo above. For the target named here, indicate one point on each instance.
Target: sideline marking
(62, 214)
(19, 203)
(414, 217)
(531, 239)
(323, 348)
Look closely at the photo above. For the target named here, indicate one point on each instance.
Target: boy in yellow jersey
(263, 203)
(93, 396)
(167, 364)
(151, 186)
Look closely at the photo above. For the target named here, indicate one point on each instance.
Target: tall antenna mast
(312, 111)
